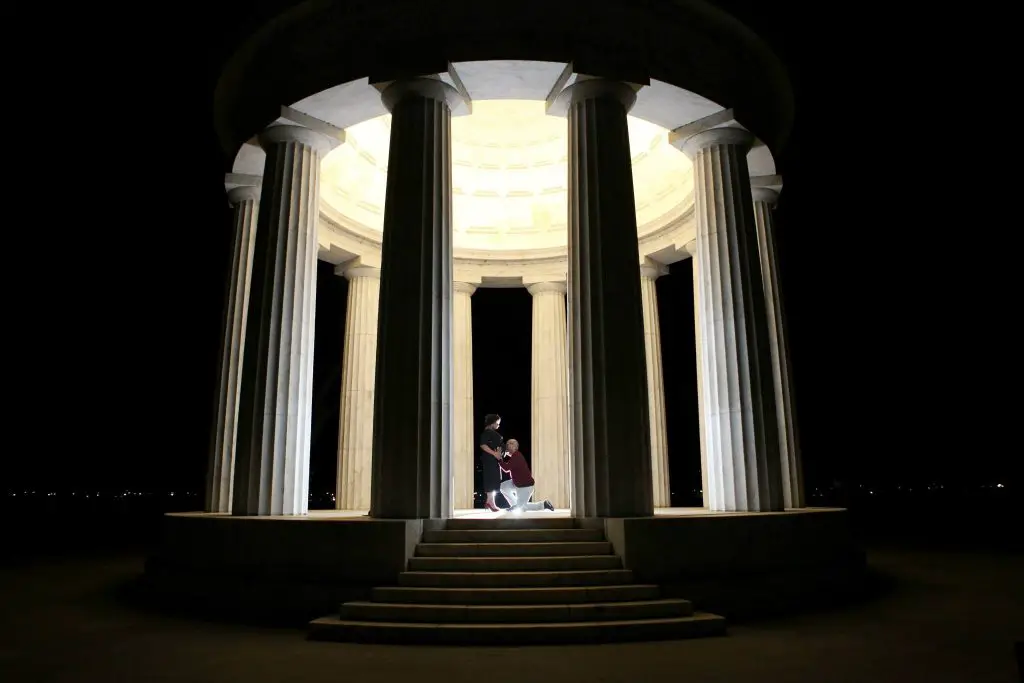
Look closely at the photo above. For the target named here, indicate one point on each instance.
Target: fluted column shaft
(738, 397)
(698, 346)
(272, 462)
(464, 439)
(611, 434)
(359, 360)
(245, 204)
(549, 410)
(792, 472)
(655, 389)
(412, 422)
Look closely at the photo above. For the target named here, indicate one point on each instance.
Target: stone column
(464, 453)
(272, 461)
(549, 410)
(738, 398)
(412, 421)
(244, 202)
(655, 388)
(355, 438)
(792, 474)
(698, 346)
(611, 439)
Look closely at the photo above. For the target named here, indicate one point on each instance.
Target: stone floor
(949, 617)
(478, 513)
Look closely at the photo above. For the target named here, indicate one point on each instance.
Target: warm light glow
(509, 176)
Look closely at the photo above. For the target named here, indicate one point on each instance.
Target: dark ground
(947, 617)
(950, 608)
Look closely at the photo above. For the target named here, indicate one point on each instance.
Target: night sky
(891, 275)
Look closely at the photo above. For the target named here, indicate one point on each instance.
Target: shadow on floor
(944, 617)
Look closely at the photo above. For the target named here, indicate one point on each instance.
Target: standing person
(519, 488)
(492, 446)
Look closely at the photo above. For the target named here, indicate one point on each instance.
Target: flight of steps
(511, 580)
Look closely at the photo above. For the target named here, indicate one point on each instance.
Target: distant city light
(816, 491)
(98, 494)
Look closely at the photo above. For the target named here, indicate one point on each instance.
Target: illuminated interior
(509, 176)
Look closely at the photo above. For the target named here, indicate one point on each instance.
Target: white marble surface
(660, 481)
(413, 408)
(549, 386)
(737, 397)
(479, 513)
(464, 447)
(610, 441)
(699, 353)
(272, 457)
(244, 202)
(792, 471)
(359, 364)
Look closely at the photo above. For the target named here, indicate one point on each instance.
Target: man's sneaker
(549, 506)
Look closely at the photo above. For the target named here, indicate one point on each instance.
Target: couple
(519, 488)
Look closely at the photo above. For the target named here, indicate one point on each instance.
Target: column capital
(691, 247)
(727, 135)
(652, 270)
(243, 193)
(426, 88)
(233, 180)
(352, 271)
(281, 132)
(766, 195)
(464, 287)
(592, 88)
(542, 287)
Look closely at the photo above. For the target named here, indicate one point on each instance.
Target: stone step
(593, 577)
(514, 564)
(510, 521)
(542, 633)
(558, 595)
(561, 548)
(514, 614)
(511, 535)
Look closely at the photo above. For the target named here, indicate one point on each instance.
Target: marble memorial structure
(499, 163)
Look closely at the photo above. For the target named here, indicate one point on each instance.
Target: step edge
(560, 572)
(696, 617)
(653, 601)
(618, 586)
(500, 543)
(508, 557)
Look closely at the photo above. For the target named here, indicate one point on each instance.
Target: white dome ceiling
(509, 176)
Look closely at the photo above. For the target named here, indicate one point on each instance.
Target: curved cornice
(320, 43)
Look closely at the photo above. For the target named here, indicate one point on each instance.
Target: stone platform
(293, 569)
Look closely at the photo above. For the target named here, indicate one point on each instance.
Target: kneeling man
(519, 488)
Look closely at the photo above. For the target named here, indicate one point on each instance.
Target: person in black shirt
(492, 448)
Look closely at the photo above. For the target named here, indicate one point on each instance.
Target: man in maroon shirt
(519, 488)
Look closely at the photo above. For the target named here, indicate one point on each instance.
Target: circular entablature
(509, 168)
(509, 179)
